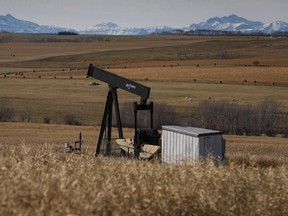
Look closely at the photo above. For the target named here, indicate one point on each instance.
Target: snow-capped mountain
(230, 23)
(277, 26)
(113, 29)
(9, 23)
(103, 28)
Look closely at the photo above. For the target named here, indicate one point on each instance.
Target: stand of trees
(264, 118)
(230, 118)
(208, 32)
(67, 33)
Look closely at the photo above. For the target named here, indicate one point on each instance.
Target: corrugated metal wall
(177, 147)
(191, 144)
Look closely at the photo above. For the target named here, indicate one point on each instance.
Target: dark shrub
(46, 120)
(71, 120)
(6, 114)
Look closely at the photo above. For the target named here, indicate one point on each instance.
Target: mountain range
(10, 24)
(110, 28)
(232, 23)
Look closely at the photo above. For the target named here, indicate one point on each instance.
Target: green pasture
(35, 99)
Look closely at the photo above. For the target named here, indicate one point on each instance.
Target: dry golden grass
(142, 57)
(145, 51)
(204, 74)
(38, 178)
(264, 75)
(257, 151)
(27, 51)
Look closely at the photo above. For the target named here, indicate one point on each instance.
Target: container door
(207, 146)
(212, 145)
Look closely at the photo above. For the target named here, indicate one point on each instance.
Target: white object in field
(147, 151)
(181, 143)
(67, 145)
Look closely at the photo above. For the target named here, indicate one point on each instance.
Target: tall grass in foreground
(43, 180)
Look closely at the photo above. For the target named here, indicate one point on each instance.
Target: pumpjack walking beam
(114, 82)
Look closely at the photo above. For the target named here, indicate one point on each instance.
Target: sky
(81, 14)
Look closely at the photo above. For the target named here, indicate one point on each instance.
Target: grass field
(44, 77)
(38, 177)
(175, 67)
(40, 98)
(146, 51)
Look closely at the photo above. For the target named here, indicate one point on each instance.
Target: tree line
(208, 32)
(52, 38)
(228, 117)
(266, 117)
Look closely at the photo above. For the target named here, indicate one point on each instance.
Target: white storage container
(181, 143)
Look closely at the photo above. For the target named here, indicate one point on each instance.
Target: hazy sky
(80, 14)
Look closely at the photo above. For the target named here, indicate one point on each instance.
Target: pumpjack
(145, 143)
